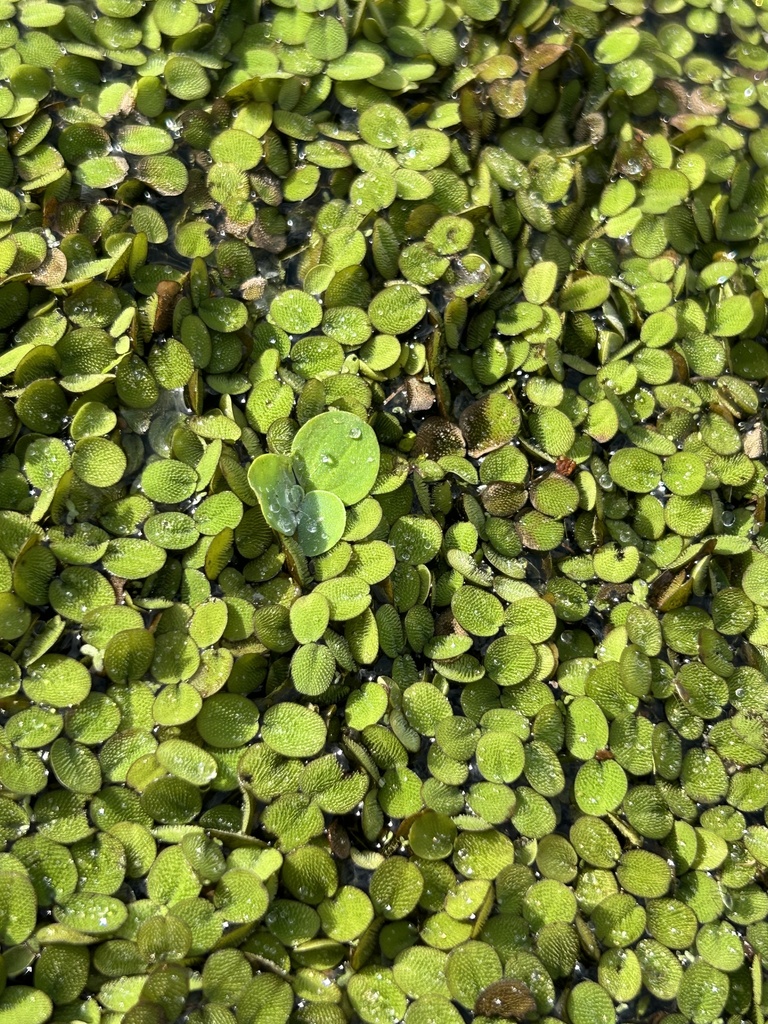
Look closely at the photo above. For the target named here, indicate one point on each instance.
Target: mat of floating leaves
(383, 558)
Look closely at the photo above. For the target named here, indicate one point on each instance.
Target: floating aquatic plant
(383, 558)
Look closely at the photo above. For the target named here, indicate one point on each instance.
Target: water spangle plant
(383, 555)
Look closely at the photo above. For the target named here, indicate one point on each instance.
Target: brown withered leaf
(704, 100)
(238, 229)
(50, 209)
(542, 56)
(676, 90)
(262, 237)
(754, 441)
(167, 294)
(509, 999)
(253, 289)
(613, 592)
(53, 271)
(565, 466)
(447, 625)
(590, 128)
(419, 394)
(437, 437)
(338, 840)
(267, 186)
